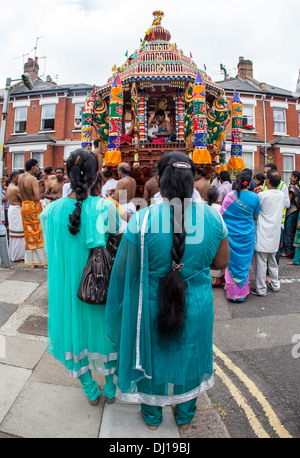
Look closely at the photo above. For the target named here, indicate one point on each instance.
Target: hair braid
(81, 168)
(176, 185)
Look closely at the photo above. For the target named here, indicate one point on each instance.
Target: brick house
(44, 123)
(271, 120)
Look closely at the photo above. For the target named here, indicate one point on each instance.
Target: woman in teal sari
(291, 217)
(71, 227)
(240, 209)
(159, 311)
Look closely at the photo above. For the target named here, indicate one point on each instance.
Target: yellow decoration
(201, 156)
(236, 163)
(112, 158)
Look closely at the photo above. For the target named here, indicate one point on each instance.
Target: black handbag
(95, 278)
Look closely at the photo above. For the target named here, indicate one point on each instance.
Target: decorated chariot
(159, 76)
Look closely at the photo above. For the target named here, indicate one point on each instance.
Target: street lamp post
(3, 233)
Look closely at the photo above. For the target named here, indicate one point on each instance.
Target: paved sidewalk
(38, 399)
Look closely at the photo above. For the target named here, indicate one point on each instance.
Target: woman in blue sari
(159, 311)
(240, 209)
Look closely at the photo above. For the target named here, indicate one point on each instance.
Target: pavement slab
(12, 380)
(5, 274)
(6, 310)
(22, 352)
(121, 420)
(52, 411)
(16, 292)
(29, 275)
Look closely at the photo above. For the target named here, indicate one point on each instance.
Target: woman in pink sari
(240, 209)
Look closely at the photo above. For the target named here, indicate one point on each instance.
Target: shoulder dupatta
(231, 198)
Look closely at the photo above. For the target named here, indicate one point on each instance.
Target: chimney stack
(245, 68)
(32, 67)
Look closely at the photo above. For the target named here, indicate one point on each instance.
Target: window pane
(288, 163)
(48, 124)
(18, 161)
(78, 110)
(248, 116)
(20, 127)
(279, 127)
(279, 121)
(21, 114)
(48, 111)
(279, 115)
(39, 156)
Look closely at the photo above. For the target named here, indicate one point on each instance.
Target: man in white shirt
(267, 235)
(110, 184)
(283, 187)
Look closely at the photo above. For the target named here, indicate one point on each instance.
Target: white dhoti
(16, 234)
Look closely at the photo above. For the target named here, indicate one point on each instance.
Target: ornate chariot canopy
(158, 75)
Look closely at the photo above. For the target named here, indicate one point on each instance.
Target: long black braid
(82, 168)
(176, 184)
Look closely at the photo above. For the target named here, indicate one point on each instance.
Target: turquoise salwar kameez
(76, 330)
(149, 371)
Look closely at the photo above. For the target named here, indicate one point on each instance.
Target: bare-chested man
(12, 194)
(54, 187)
(16, 233)
(126, 188)
(31, 209)
(151, 186)
(200, 183)
(99, 154)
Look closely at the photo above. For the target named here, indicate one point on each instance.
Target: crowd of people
(186, 235)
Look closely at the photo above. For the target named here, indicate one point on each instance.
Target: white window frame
(279, 132)
(77, 114)
(284, 170)
(41, 155)
(45, 118)
(22, 119)
(252, 117)
(19, 153)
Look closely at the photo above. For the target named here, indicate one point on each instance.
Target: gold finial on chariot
(158, 15)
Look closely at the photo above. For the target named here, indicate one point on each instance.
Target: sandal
(153, 428)
(286, 255)
(95, 402)
(181, 426)
(185, 426)
(291, 264)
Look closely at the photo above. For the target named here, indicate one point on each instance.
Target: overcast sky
(80, 41)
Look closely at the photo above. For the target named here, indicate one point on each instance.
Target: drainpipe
(265, 132)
